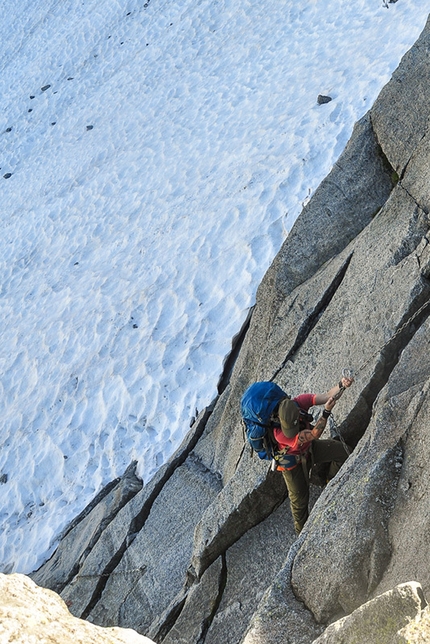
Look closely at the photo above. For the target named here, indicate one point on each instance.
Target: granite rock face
(206, 552)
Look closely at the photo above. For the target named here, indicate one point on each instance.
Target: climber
(297, 439)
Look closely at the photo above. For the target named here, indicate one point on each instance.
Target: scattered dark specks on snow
(45, 87)
(4, 478)
(7, 175)
(90, 127)
(323, 99)
(135, 326)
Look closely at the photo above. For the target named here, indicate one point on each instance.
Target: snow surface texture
(153, 157)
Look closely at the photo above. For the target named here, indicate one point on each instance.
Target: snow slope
(153, 157)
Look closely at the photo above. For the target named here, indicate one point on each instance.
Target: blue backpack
(257, 406)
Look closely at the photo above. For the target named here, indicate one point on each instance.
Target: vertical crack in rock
(392, 171)
(194, 608)
(355, 424)
(139, 520)
(311, 321)
(222, 584)
(169, 620)
(231, 358)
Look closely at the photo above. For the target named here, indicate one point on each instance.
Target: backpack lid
(260, 400)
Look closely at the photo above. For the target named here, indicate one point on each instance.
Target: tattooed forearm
(319, 427)
(307, 435)
(320, 424)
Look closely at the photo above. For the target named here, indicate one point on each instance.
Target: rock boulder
(32, 614)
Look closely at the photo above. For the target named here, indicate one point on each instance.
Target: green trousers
(297, 479)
